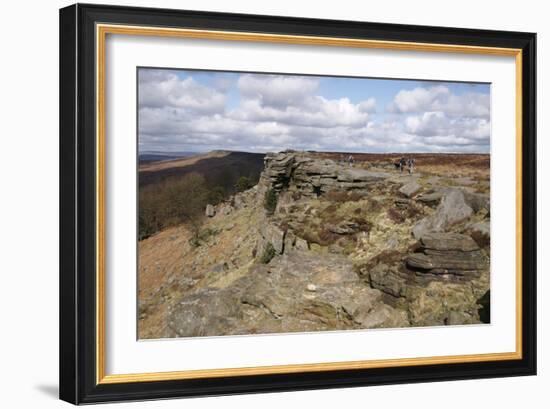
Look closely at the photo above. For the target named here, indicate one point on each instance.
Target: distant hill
(177, 190)
(220, 168)
(153, 156)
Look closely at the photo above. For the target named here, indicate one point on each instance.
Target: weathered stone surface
(360, 175)
(210, 210)
(274, 235)
(290, 240)
(448, 241)
(481, 233)
(443, 303)
(452, 209)
(410, 189)
(298, 291)
(447, 253)
(383, 317)
(388, 280)
(298, 172)
(301, 244)
(444, 262)
(430, 198)
(477, 201)
(205, 313)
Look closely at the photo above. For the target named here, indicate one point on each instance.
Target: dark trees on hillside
(171, 202)
(244, 183)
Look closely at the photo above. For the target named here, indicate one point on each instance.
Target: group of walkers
(402, 164)
(406, 163)
(349, 161)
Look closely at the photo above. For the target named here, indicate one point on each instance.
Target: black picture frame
(78, 359)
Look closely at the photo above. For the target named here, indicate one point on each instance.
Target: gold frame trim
(101, 33)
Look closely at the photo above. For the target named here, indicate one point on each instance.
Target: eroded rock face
(296, 292)
(273, 234)
(390, 279)
(441, 283)
(444, 254)
(452, 209)
(296, 171)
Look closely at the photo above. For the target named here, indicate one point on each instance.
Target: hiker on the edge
(401, 164)
(411, 165)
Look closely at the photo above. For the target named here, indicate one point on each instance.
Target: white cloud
(293, 101)
(160, 89)
(276, 90)
(432, 124)
(274, 112)
(309, 111)
(440, 98)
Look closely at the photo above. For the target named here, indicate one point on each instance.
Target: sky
(199, 111)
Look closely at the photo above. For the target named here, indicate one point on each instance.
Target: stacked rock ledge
(444, 254)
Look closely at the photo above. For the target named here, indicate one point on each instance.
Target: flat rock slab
(360, 175)
(410, 189)
(444, 253)
(448, 241)
(442, 262)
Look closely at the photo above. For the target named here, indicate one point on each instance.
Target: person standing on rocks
(401, 164)
(350, 161)
(411, 165)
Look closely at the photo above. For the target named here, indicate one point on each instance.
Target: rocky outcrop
(447, 254)
(335, 252)
(442, 282)
(270, 233)
(296, 171)
(293, 242)
(296, 292)
(453, 209)
(282, 240)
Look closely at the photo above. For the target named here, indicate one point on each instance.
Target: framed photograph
(258, 203)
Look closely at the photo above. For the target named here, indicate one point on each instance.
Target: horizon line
(310, 151)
